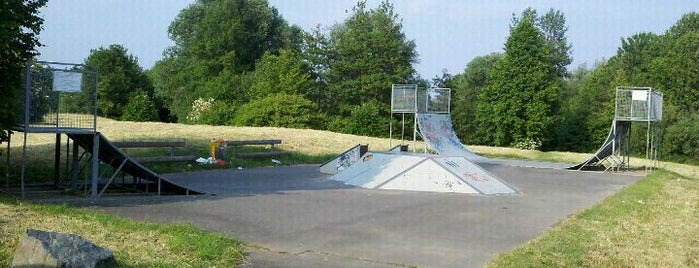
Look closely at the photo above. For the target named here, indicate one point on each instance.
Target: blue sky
(448, 33)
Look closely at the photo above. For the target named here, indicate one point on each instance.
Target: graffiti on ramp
(439, 134)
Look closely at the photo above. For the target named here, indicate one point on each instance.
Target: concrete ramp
(420, 172)
(438, 133)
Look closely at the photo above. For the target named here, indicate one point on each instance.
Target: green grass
(652, 223)
(135, 244)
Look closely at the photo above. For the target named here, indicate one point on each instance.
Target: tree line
(239, 62)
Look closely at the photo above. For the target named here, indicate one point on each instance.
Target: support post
(390, 126)
(67, 153)
(57, 160)
(95, 164)
(27, 107)
(402, 130)
(415, 132)
(24, 165)
(7, 167)
(74, 168)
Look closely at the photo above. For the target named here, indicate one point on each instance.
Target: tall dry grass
(305, 141)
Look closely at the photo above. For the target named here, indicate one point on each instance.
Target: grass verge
(652, 223)
(135, 244)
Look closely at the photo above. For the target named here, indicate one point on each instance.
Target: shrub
(681, 140)
(280, 110)
(140, 108)
(369, 119)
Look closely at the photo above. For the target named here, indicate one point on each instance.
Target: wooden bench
(157, 144)
(237, 143)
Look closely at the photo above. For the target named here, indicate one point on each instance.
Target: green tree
(553, 25)
(368, 53)
(120, 77)
(19, 27)
(283, 73)
(465, 90)
(521, 99)
(217, 44)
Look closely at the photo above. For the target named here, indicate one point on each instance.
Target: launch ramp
(112, 155)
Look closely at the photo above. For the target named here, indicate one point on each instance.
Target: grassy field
(135, 244)
(653, 223)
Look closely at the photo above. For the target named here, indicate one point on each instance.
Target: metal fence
(638, 104)
(58, 97)
(407, 98)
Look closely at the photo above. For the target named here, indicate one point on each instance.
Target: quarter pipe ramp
(438, 132)
(618, 133)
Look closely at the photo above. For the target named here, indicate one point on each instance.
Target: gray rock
(47, 249)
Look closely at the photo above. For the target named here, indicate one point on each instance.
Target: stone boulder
(47, 249)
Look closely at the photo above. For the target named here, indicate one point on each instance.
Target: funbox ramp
(438, 132)
(419, 172)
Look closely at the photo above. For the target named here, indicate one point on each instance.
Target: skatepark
(442, 206)
(296, 217)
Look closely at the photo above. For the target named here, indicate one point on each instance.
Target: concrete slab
(305, 220)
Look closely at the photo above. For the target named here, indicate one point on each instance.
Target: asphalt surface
(298, 218)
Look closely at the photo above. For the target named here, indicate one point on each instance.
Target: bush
(681, 140)
(140, 108)
(218, 113)
(280, 110)
(369, 119)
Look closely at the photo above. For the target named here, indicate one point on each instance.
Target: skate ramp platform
(422, 172)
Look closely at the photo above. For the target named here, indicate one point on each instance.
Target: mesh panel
(403, 98)
(638, 104)
(438, 100)
(59, 97)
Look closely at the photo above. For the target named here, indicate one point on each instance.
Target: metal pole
(416, 110)
(402, 130)
(7, 168)
(24, 164)
(27, 107)
(74, 170)
(390, 122)
(94, 116)
(67, 153)
(95, 164)
(57, 159)
(415, 133)
(390, 129)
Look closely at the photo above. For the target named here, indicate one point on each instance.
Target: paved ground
(300, 219)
